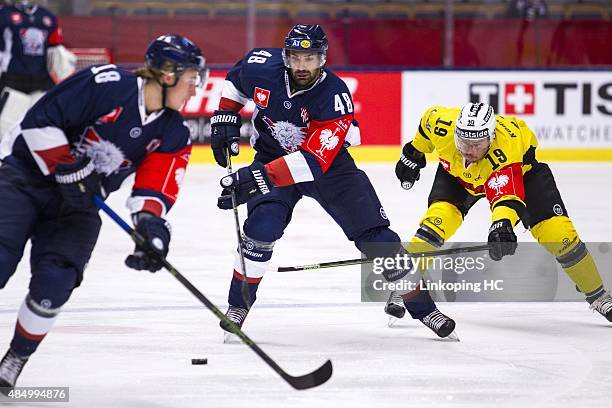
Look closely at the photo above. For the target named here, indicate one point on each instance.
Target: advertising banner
(376, 97)
(566, 109)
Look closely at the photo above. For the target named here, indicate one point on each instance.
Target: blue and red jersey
(297, 134)
(100, 112)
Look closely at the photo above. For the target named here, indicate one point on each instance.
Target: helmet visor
(472, 149)
(303, 60)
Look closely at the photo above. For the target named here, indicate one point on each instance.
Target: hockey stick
(313, 379)
(244, 287)
(360, 261)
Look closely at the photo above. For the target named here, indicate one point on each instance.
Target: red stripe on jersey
(238, 276)
(279, 173)
(54, 156)
(163, 172)
(56, 38)
(470, 186)
(324, 139)
(229, 104)
(507, 181)
(35, 337)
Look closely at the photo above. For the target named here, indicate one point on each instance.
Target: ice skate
(440, 324)
(10, 368)
(237, 316)
(394, 308)
(603, 305)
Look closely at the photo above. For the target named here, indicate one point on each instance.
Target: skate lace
(236, 314)
(603, 304)
(11, 367)
(435, 320)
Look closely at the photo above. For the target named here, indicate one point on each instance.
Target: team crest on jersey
(498, 182)
(106, 156)
(261, 97)
(288, 135)
(33, 40)
(47, 21)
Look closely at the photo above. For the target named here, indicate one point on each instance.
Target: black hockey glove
(502, 240)
(156, 232)
(247, 182)
(78, 182)
(408, 168)
(225, 133)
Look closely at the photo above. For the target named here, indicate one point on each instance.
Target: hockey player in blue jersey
(32, 57)
(303, 124)
(84, 137)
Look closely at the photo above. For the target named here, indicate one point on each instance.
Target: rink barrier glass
(530, 275)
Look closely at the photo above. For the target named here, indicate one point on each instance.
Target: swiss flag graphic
(520, 99)
(261, 97)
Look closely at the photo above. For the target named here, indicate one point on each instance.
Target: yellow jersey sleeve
(436, 129)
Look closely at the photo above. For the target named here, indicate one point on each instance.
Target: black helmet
(308, 38)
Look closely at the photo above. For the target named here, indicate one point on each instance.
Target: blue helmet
(174, 53)
(307, 38)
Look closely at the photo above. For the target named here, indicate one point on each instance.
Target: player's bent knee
(440, 222)
(378, 241)
(267, 222)
(53, 281)
(559, 237)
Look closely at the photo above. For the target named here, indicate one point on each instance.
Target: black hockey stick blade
(314, 379)
(360, 261)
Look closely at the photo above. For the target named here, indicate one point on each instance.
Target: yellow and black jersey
(499, 174)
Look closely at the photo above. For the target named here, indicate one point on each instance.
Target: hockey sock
(418, 303)
(235, 297)
(257, 255)
(33, 323)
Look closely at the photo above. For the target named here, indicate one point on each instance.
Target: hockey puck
(199, 361)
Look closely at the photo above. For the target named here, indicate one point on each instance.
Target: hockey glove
(247, 182)
(502, 240)
(156, 232)
(225, 133)
(408, 168)
(78, 182)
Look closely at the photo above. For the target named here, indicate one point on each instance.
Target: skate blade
(392, 321)
(453, 336)
(230, 338)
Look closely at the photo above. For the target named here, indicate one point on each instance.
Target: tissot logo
(559, 98)
(518, 98)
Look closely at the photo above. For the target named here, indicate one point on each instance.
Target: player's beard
(304, 78)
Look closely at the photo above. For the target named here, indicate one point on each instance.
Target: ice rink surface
(126, 338)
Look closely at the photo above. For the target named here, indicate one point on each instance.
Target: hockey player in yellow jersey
(484, 155)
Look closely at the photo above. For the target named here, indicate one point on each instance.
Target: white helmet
(475, 130)
(476, 121)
